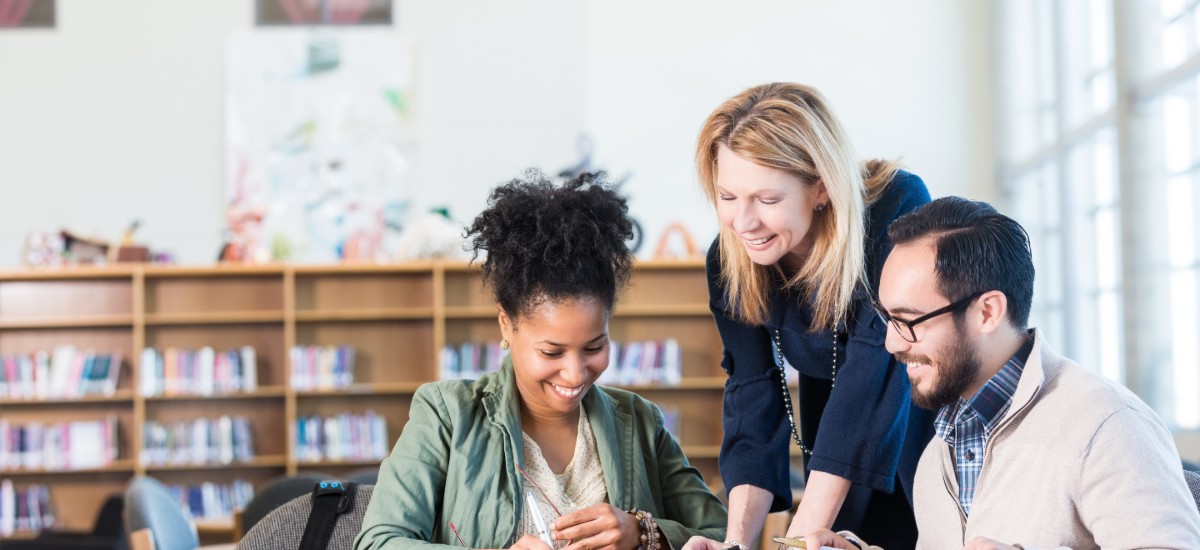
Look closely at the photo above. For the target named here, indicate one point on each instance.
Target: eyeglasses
(905, 328)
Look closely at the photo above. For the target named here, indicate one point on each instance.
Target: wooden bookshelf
(397, 317)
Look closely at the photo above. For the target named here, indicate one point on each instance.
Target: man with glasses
(1032, 450)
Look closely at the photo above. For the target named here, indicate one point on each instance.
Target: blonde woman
(791, 279)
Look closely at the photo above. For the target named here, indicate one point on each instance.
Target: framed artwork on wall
(320, 143)
(28, 14)
(322, 12)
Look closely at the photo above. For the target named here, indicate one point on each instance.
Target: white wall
(117, 113)
(906, 78)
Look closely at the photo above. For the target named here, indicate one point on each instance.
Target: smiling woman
(791, 276)
(537, 455)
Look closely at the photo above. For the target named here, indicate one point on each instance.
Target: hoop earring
(503, 343)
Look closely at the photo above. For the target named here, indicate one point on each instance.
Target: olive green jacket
(456, 462)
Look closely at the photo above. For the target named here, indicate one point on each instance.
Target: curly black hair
(553, 242)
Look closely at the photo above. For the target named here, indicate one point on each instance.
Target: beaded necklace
(787, 394)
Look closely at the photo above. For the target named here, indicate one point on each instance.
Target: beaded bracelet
(649, 538)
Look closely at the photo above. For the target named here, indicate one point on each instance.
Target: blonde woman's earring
(503, 343)
(820, 207)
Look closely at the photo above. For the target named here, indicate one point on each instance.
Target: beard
(956, 368)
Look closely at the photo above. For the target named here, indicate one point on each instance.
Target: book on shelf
(64, 373)
(175, 372)
(643, 363)
(347, 436)
(321, 367)
(213, 501)
(74, 445)
(470, 360)
(24, 509)
(671, 419)
(201, 441)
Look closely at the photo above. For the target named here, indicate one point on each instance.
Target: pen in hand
(538, 522)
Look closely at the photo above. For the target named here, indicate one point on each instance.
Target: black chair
(284, 527)
(274, 494)
(108, 533)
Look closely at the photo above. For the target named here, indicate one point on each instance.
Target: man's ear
(993, 311)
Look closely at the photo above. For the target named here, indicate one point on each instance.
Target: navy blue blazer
(861, 425)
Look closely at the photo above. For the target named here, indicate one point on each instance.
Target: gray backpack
(331, 515)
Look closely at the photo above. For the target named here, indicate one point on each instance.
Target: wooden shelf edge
(212, 270)
(121, 396)
(215, 526)
(69, 272)
(701, 451)
(262, 462)
(471, 312)
(365, 268)
(394, 314)
(73, 321)
(687, 384)
(711, 452)
(20, 534)
(337, 463)
(381, 388)
(685, 310)
(214, 318)
(121, 466)
(265, 392)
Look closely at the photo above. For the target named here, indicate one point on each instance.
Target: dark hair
(549, 242)
(978, 249)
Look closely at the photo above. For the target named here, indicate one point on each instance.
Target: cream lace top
(580, 485)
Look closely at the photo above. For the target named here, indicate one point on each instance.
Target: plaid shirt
(967, 424)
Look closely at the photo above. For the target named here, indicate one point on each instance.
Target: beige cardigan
(1077, 462)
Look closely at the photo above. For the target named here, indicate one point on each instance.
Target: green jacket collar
(611, 419)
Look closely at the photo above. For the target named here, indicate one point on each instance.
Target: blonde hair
(790, 127)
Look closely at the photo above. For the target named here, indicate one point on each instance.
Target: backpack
(332, 515)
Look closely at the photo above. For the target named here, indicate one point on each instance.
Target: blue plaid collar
(991, 401)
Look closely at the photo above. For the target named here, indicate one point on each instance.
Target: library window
(1104, 152)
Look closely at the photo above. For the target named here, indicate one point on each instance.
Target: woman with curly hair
(537, 455)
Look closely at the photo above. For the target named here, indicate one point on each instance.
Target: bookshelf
(397, 318)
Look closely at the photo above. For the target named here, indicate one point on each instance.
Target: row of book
(210, 500)
(64, 373)
(25, 509)
(644, 363)
(347, 436)
(174, 372)
(222, 440)
(322, 367)
(470, 360)
(75, 445)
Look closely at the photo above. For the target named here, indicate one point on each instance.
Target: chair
(108, 533)
(1193, 483)
(272, 495)
(155, 520)
(284, 527)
